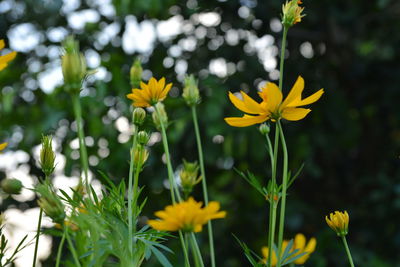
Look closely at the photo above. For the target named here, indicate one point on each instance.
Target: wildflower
(187, 216)
(189, 176)
(191, 91)
(149, 94)
(3, 146)
(339, 222)
(136, 73)
(299, 244)
(11, 186)
(47, 156)
(292, 13)
(272, 107)
(6, 58)
(138, 116)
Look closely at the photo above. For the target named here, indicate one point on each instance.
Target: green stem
(195, 247)
(60, 247)
(71, 246)
(138, 169)
(273, 204)
(173, 187)
(204, 183)
(37, 237)
(185, 249)
(81, 135)
(130, 193)
(348, 251)
(283, 48)
(284, 188)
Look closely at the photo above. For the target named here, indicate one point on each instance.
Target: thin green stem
(37, 237)
(284, 189)
(81, 135)
(71, 247)
(130, 193)
(204, 183)
(282, 61)
(138, 169)
(273, 204)
(347, 251)
(185, 249)
(60, 247)
(196, 249)
(173, 187)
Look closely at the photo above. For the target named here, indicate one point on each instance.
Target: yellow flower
(3, 146)
(272, 108)
(149, 94)
(299, 243)
(292, 13)
(339, 222)
(188, 216)
(6, 58)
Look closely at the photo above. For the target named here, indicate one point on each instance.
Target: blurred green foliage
(349, 142)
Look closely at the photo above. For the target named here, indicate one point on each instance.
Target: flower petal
(294, 114)
(295, 93)
(247, 105)
(246, 120)
(308, 100)
(273, 97)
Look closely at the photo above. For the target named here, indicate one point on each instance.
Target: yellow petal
(273, 97)
(294, 114)
(246, 120)
(308, 100)
(164, 93)
(311, 245)
(2, 44)
(295, 93)
(247, 105)
(299, 242)
(3, 146)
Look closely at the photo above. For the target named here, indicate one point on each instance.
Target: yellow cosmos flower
(3, 146)
(6, 58)
(188, 216)
(339, 222)
(292, 13)
(149, 94)
(300, 244)
(272, 107)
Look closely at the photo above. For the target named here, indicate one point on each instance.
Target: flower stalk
(130, 190)
(347, 251)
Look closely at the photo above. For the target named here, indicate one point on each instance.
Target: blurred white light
(170, 28)
(24, 37)
(306, 50)
(209, 19)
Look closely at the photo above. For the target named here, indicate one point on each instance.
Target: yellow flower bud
(160, 116)
(141, 154)
(73, 65)
(191, 91)
(138, 116)
(291, 13)
(47, 156)
(338, 222)
(136, 73)
(11, 186)
(189, 176)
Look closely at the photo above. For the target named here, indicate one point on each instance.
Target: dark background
(349, 142)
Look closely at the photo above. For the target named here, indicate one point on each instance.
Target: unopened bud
(160, 116)
(138, 116)
(140, 156)
(143, 138)
(50, 202)
(73, 65)
(292, 13)
(191, 91)
(47, 156)
(11, 186)
(136, 73)
(264, 129)
(189, 176)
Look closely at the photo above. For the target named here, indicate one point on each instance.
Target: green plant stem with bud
(59, 251)
(282, 60)
(130, 193)
(81, 135)
(347, 250)
(204, 182)
(273, 205)
(284, 189)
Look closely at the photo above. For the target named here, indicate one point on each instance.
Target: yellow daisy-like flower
(6, 58)
(149, 94)
(300, 244)
(3, 146)
(187, 216)
(272, 107)
(339, 222)
(292, 13)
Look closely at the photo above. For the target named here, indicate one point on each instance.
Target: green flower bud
(141, 154)
(264, 129)
(143, 138)
(73, 65)
(50, 202)
(136, 73)
(191, 91)
(160, 116)
(291, 13)
(47, 156)
(11, 186)
(189, 176)
(138, 117)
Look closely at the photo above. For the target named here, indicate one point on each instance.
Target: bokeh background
(349, 143)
